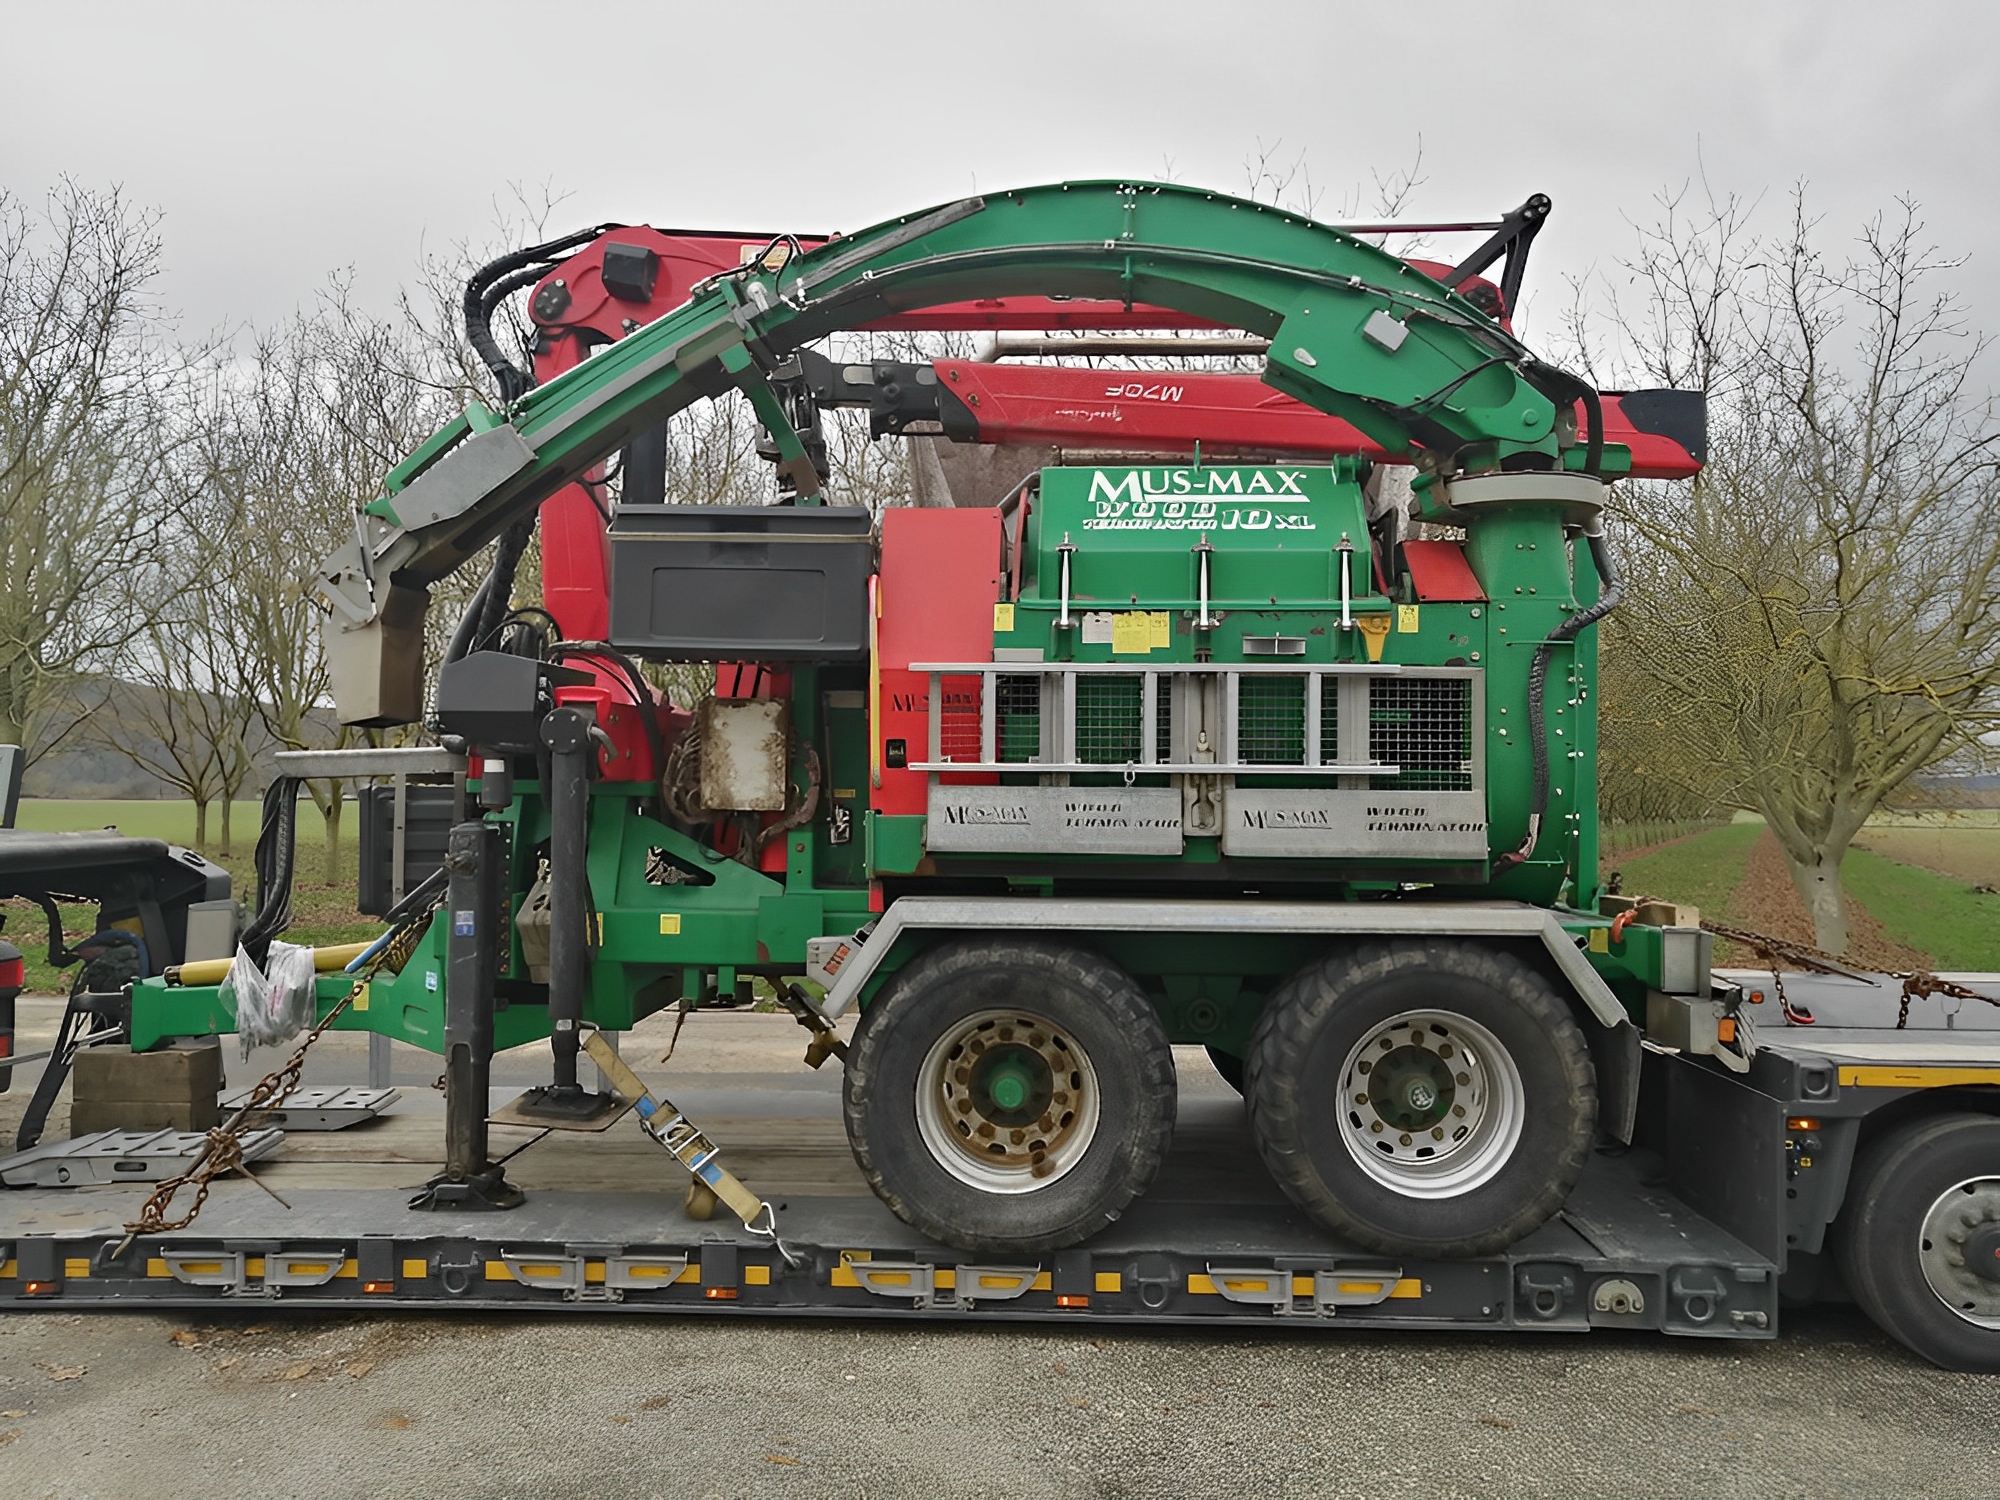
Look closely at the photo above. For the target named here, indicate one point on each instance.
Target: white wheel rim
(1431, 1104)
(1960, 1212)
(980, 1067)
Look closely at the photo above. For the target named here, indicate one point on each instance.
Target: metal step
(318, 1108)
(120, 1156)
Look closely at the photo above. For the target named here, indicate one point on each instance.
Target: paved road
(115, 1405)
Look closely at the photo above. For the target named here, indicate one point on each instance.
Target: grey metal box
(427, 819)
(741, 583)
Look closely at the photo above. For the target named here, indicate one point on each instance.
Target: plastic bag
(275, 1003)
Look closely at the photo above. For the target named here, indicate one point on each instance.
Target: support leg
(475, 857)
(566, 733)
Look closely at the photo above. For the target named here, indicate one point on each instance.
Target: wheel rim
(1431, 1104)
(1964, 1224)
(1007, 1101)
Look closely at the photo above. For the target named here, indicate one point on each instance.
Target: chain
(222, 1152)
(1922, 985)
(1917, 984)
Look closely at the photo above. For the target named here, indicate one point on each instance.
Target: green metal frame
(1355, 332)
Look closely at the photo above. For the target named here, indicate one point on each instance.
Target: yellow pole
(215, 970)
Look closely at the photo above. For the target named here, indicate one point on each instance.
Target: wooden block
(87, 1116)
(185, 1071)
(1668, 914)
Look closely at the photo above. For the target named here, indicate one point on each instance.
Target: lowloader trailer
(1147, 753)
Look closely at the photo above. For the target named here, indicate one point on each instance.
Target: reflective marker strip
(1915, 1078)
(1302, 1286)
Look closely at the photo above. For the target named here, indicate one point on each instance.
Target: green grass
(1958, 926)
(1700, 871)
(322, 911)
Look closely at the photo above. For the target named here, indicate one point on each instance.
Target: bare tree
(1816, 618)
(87, 446)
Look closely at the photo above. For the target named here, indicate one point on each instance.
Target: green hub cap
(1011, 1085)
(1007, 1101)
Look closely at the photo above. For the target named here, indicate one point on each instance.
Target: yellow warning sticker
(1406, 619)
(1163, 629)
(360, 999)
(670, 923)
(1003, 618)
(1131, 633)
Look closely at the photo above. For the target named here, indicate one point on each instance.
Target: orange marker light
(1802, 1122)
(1725, 1029)
(721, 1294)
(41, 1288)
(1072, 1301)
(378, 1286)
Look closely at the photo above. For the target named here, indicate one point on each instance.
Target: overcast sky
(281, 141)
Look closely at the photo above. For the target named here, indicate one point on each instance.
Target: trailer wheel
(1009, 1095)
(1431, 1098)
(1918, 1240)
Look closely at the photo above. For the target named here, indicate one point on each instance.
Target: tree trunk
(1818, 883)
(200, 822)
(330, 815)
(228, 805)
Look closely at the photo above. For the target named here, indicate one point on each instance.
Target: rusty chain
(1917, 984)
(222, 1152)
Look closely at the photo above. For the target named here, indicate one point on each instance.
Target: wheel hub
(1006, 1101)
(1431, 1104)
(1959, 1250)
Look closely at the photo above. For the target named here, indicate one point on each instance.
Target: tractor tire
(1009, 1095)
(1422, 1097)
(1918, 1238)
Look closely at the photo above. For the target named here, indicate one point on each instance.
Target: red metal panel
(1231, 416)
(688, 258)
(1441, 573)
(940, 580)
(1150, 411)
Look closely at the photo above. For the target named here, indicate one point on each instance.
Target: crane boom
(1355, 332)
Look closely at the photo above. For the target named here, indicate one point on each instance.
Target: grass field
(1970, 853)
(1940, 914)
(1702, 870)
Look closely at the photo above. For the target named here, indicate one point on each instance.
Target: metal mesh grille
(1108, 711)
(958, 721)
(1423, 725)
(1329, 721)
(1017, 736)
(1271, 721)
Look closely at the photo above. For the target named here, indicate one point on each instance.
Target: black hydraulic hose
(642, 699)
(1538, 676)
(1557, 383)
(468, 622)
(514, 381)
(500, 582)
(276, 845)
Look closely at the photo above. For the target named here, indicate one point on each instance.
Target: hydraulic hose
(276, 845)
(1538, 676)
(483, 294)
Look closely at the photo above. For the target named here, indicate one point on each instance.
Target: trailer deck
(1639, 1245)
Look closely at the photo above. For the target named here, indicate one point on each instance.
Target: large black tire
(1478, 1111)
(1923, 1202)
(952, 1062)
